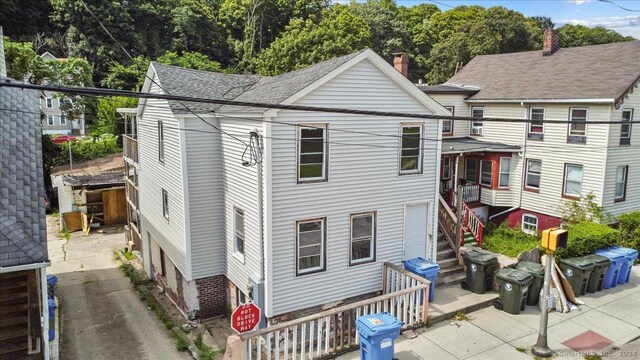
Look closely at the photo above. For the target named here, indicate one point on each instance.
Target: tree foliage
(580, 35)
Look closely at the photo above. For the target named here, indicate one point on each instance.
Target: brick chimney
(550, 42)
(401, 63)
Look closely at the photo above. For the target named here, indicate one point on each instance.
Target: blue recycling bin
(426, 269)
(617, 260)
(52, 281)
(52, 319)
(378, 333)
(630, 256)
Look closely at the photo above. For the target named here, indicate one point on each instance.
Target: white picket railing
(333, 331)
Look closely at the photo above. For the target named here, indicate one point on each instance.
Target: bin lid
(514, 275)
(581, 263)
(51, 303)
(421, 265)
(377, 324)
(598, 259)
(480, 257)
(613, 255)
(628, 253)
(533, 268)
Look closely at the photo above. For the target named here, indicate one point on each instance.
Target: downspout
(260, 212)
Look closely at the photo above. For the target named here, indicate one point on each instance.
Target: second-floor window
(49, 102)
(161, 141)
(572, 180)
(312, 153)
(411, 149)
(238, 229)
(446, 168)
(625, 128)
(621, 183)
(485, 172)
(505, 170)
(363, 238)
(534, 170)
(536, 126)
(577, 125)
(63, 119)
(50, 120)
(165, 204)
(477, 126)
(471, 170)
(311, 239)
(447, 125)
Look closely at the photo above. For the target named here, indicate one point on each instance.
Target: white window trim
(490, 173)
(372, 243)
(544, 116)
(161, 142)
(446, 164)
(526, 179)
(60, 118)
(165, 204)
(236, 253)
(420, 151)
(564, 185)
(477, 129)
(451, 109)
(48, 101)
(51, 120)
(325, 155)
(628, 124)
(529, 231)
(323, 229)
(500, 173)
(586, 120)
(624, 183)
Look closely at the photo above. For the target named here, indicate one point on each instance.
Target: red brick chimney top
(550, 42)
(401, 63)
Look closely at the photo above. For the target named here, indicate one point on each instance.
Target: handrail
(473, 223)
(447, 222)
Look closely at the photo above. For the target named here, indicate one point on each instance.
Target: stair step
(15, 331)
(451, 271)
(445, 254)
(448, 263)
(16, 309)
(7, 348)
(443, 245)
(13, 299)
(453, 279)
(13, 287)
(11, 320)
(12, 276)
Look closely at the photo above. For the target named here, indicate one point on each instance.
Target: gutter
(4, 270)
(522, 101)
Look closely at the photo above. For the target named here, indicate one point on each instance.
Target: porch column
(455, 183)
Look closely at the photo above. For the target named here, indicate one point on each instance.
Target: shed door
(416, 223)
(114, 205)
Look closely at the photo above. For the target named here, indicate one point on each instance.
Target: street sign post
(245, 318)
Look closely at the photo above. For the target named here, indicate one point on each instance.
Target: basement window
(529, 223)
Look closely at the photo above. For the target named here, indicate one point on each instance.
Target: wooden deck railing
(473, 223)
(470, 194)
(332, 332)
(131, 192)
(130, 147)
(447, 224)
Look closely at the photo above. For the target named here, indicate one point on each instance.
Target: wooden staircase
(14, 315)
(468, 238)
(451, 273)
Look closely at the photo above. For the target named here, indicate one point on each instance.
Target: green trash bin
(514, 287)
(577, 271)
(481, 266)
(537, 271)
(596, 279)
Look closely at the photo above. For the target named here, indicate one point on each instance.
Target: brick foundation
(316, 309)
(176, 298)
(212, 296)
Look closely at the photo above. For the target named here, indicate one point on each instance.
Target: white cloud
(578, 2)
(625, 25)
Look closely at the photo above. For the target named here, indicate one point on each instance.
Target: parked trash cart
(617, 260)
(596, 279)
(537, 271)
(514, 286)
(577, 271)
(625, 270)
(378, 333)
(52, 319)
(481, 267)
(426, 269)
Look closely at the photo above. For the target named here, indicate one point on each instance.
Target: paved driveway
(101, 316)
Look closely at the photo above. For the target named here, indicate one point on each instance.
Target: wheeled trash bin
(625, 270)
(596, 279)
(537, 271)
(480, 269)
(378, 333)
(617, 260)
(514, 286)
(52, 319)
(426, 269)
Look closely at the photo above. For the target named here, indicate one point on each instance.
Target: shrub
(629, 226)
(509, 241)
(587, 237)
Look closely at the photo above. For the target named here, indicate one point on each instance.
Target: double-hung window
(577, 125)
(165, 204)
(485, 172)
(572, 180)
(471, 170)
(63, 119)
(446, 168)
(529, 223)
(50, 120)
(238, 232)
(161, 142)
(411, 149)
(447, 125)
(621, 183)
(532, 178)
(310, 244)
(536, 126)
(505, 170)
(363, 238)
(49, 102)
(477, 126)
(625, 128)
(312, 153)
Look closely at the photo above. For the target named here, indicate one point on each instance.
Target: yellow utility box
(554, 238)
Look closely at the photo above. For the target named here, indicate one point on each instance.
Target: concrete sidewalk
(608, 320)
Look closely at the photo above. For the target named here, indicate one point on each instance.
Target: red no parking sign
(245, 318)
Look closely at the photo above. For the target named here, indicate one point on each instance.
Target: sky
(584, 12)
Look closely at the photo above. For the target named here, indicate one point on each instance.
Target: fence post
(235, 348)
(458, 219)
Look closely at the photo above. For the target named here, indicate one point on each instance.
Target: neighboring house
(23, 235)
(525, 173)
(55, 122)
(311, 223)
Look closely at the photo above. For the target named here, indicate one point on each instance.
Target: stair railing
(473, 223)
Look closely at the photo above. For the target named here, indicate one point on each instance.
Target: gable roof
(604, 72)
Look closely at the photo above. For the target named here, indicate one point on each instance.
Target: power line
(619, 6)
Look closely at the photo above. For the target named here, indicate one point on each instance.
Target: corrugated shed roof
(469, 144)
(445, 89)
(586, 72)
(104, 164)
(92, 180)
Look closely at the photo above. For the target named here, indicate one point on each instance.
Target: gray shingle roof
(249, 88)
(587, 72)
(116, 178)
(447, 89)
(469, 144)
(23, 235)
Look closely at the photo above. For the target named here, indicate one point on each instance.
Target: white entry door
(416, 224)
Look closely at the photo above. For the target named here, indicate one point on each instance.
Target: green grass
(593, 357)
(460, 316)
(64, 234)
(205, 352)
(522, 350)
(128, 255)
(509, 241)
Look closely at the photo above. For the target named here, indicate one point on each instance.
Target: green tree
(580, 35)
(191, 60)
(109, 121)
(21, 59)
(304, 42)
(126, 76)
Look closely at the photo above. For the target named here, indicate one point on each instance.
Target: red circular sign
(245, 318)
